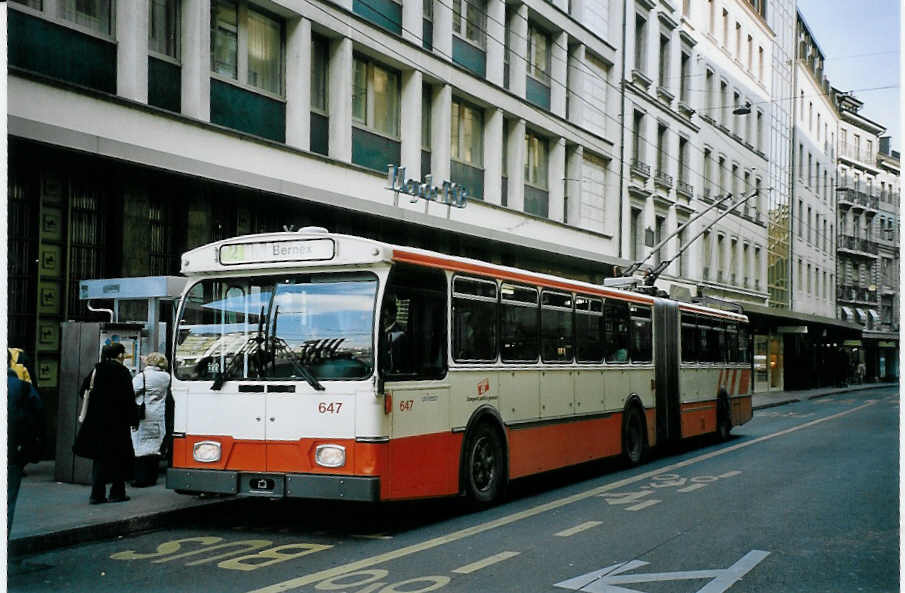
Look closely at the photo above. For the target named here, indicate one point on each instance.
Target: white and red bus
(317, 365)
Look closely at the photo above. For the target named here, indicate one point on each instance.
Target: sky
(860, 41)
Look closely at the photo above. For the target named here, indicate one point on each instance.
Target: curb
(44, 542)
(849, 389)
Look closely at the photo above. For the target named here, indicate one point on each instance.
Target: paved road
(803, 498)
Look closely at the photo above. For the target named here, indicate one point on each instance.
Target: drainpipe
(622, 129)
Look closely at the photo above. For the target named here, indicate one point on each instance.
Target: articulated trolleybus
(318, 365)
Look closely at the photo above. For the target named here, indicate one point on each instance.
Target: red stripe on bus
(698, 418)
(486, 270)
(550, 446)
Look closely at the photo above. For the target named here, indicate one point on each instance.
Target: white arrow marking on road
(608, 579)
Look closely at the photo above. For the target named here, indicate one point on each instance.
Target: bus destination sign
(276, 251)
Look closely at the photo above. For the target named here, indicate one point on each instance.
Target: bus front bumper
(274, 485)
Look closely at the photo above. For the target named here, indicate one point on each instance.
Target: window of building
(474, 319)
(470, 21)
(683, 160)
(711, 22)
(640, 42)
(664, 61)
(94, 15)
(637, 136)
(163, 28)
(725, 28)
(254, 57)
(556, 326)
(636, 234)
(375, 97)
(539, 54)
(760, 64)
(708, 171)
(684, 73)
(518, 323)
(750, 54)
(738, 40)
(319, 73)
(466, 134)
(659, 225)
(661, 149)
(535, 160)
(724, 187)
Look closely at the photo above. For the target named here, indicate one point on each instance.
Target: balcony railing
(858, 153)
(858, 244)
(685, 188)
(857, 197)
(663, 179)
(846, 292)
(640, 168)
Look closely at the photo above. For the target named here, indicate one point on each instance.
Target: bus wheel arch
(723, 415)
(634, 431)
(484, 459)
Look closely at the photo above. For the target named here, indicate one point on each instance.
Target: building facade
(139, 129)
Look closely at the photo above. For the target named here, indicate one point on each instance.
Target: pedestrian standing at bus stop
(25, 429)
(105, 435)
(151, 386)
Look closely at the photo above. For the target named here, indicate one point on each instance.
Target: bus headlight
(206, 451)
(330, 455)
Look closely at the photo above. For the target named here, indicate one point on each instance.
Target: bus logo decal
(483, 387)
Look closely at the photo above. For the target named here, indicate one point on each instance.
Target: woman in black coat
(105, 435)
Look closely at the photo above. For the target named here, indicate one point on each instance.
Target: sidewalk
(52, 514)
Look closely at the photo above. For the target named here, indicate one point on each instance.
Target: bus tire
(484, 465)
(723, 418)
(634, 439)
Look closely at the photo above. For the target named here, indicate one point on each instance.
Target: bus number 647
(329, 407)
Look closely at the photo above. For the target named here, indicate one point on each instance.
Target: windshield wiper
(252, 347)
(280, 345)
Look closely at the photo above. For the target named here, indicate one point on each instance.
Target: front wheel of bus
(484, 466)
(634, 445)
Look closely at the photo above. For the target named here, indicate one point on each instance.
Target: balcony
(858, 245)
(663, 180)
(640, 168)
(856, 294)
(857, 153)
(853, 198)
(685, 109)
(665, 94)
(684, 188)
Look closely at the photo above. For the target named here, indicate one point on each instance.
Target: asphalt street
(802, 498)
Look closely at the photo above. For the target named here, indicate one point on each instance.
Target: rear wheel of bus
(484, 469)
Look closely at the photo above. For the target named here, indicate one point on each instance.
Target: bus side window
(518, 323)
(616, 330)
(556, 327)
(642, 335)
(744, 345)
(689, 337)
(732, 341)
(588, 329)
(474, 319)
(413, 325)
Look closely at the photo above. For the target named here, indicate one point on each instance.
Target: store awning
(859, 316)
(847, 313)
(874, 316)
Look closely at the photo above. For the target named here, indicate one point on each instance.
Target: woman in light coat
(151, 387)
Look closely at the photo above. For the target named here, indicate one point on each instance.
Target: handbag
(85, 396)
(143, 390)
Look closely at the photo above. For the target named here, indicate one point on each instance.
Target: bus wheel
(484, 465)
(634, 444)
(723, 420)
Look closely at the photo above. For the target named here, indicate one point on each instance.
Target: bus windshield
(292, 327)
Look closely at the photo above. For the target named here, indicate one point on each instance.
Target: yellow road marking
(577, 528)
(490, 560)
(314, 577)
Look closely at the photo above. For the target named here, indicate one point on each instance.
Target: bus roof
(318, 248)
